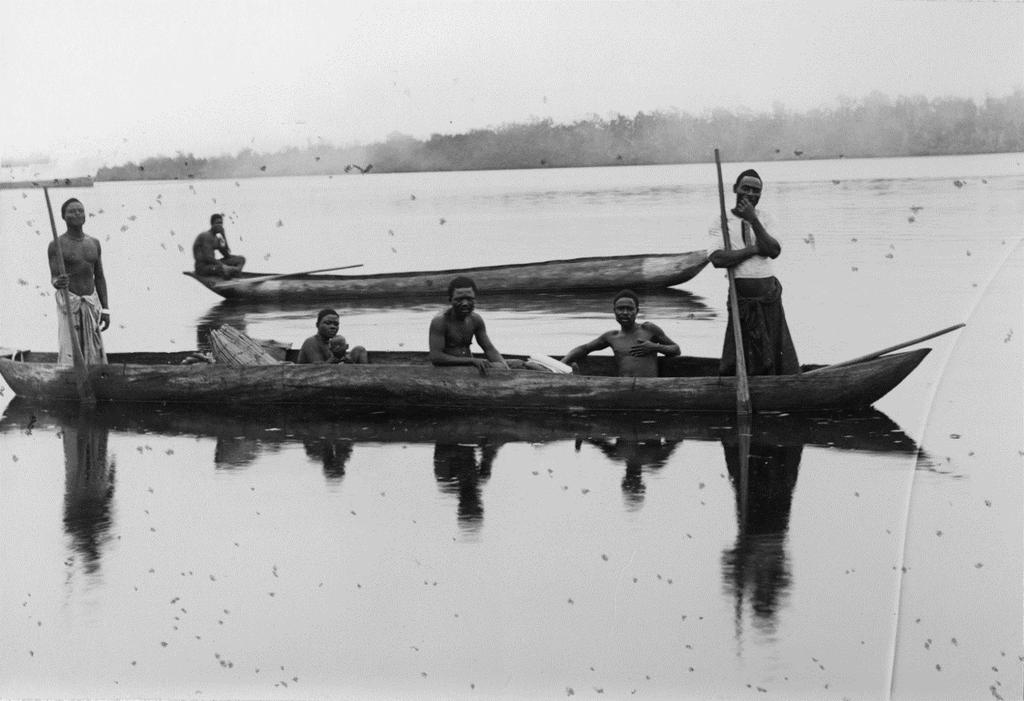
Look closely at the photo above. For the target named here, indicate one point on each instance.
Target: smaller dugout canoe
(638, 272)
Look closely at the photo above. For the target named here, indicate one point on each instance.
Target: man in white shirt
(767, 345)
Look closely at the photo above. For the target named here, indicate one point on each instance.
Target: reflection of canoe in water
(639, 272)
(406, 381)
(862, 430)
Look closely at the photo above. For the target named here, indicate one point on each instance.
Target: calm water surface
(197, 554)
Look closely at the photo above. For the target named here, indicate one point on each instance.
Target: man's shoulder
(441, 320)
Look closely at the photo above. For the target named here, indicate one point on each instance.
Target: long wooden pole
(85, 393)
(264, 278)
(890, 349)
(742, 386)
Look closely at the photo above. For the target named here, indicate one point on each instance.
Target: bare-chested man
(636, 346)
(453, 330)
(86, 288)
(208, 244)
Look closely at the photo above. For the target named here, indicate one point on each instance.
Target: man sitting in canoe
(453, 330)
(208, 244)
(317, 348)
(767, 346)
(636, 346)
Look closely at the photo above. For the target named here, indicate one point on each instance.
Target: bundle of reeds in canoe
(233, 348)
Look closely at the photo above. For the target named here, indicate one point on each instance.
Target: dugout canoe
(637, 272)
(407, 381)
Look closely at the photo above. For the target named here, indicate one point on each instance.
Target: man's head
(327, 323)
(74, 205)
(748, 187)
(217, 222)
(462, 295)
(460, 282)
(626, 305)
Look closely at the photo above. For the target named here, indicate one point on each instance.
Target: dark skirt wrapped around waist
(767, 345)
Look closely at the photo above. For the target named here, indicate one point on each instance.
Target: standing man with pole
(76, 271)
(747, 254)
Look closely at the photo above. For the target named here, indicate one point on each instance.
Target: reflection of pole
(744, 430)
(738, 621)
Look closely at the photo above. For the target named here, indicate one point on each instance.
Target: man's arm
(203, 250)
(56, 279)
(100, 282)
(310, 352)
(721, 258)
(658, 343)
(727, 259)
(586, 349)
(767, 245)
(486, 345)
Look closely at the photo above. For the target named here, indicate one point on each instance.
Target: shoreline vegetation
(875, 126)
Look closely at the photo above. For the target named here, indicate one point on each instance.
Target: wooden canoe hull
(639, 272)
(418, 386)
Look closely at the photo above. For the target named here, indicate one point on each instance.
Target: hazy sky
(94, 82)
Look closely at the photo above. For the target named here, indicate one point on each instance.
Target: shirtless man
(452, 331)
(636, 346)
(318, 347)
(208, 244)
(86, 288)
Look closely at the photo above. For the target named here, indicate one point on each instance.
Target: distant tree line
(857, 128)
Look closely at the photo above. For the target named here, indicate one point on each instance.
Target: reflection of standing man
(86, 288)
(767, 345)
(757, 567)
(89, 488)
(458, 471)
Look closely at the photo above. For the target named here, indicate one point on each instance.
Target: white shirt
(753, 267)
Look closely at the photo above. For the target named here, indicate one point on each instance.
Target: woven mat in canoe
(234, 348)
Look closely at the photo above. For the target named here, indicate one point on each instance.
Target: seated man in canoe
(453, 330)
(208, 244)
(636, 346)
(317, 348)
